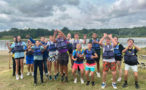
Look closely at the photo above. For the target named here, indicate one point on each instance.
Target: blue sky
(74, 14)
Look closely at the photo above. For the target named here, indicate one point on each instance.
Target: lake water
(141, 42)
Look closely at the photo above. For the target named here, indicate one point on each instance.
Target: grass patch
(8, 82)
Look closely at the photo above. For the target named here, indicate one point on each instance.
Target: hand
(55, 32)
(95, 41)
(105, 35)
(27, 36)
(7, 44)
(75, 59)
(92, 56)
(110, 35)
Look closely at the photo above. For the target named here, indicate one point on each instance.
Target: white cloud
(75, 14)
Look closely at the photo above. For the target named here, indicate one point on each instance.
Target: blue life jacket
(95, 46)
(130, 57)
(37, 51)
(52, 46)
(117, 50)
(88, 56)
(61, 44)
(19, 47)
(108, 52)
(76, 56)
(75, 44)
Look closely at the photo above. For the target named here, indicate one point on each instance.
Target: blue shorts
(29, 59)
(90, 68)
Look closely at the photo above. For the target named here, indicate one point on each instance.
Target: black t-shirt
(121, 48)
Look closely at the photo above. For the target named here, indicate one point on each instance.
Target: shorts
(90, 68)
(118, 58)
(134, 68)
(109, 65)
(19, 58)
(19, 55)
(52, 56)
(29, 61)
(70, 51)
(98, 53)
(63, 58)
(75, 66)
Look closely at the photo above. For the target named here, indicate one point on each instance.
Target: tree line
(36, 33)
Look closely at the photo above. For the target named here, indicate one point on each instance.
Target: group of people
(84, 55)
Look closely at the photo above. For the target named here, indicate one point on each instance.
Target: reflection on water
(141, 42)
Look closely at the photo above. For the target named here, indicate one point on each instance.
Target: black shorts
(98, 59)
(118, 58)
(70, 51)
(63, 58)
(19, 58)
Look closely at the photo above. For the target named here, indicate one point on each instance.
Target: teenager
(61, 44)
(38, 60)
(51, 47)
(131, 61)
(29, 58)
(96, 48)
(108, 59)
(78, 57)
(13, 58)
(45, 53)
(90, 63)
(118, 57)
(19, 48)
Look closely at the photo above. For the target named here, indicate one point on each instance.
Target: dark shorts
(19, 58)
(118, 58)
(70, 51)
(63, 58)
(97, 59)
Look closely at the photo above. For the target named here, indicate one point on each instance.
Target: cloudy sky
(74, 14)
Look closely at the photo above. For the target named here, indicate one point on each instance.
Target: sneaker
(50, 77)
(46, 74)
(119, 79)
(21, 76)
(32, 73)
(35, 84)
(62, 78)
(66, 79)
(82, 81)
(103, 85)
(136, 86)
(88, 82)
(125, 85)
(114, 85)
(93, 83)
(98, 74)
(28, 73)
(75, 80)
(17, 77)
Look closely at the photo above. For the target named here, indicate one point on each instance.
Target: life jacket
(52, 47)
(18, 47)
(117, 50)
(76, 56)
(108, 52)
(37, 51)
(61, 44)
(88, 56)
(130, 57)
(75, 44)
(95, 46)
